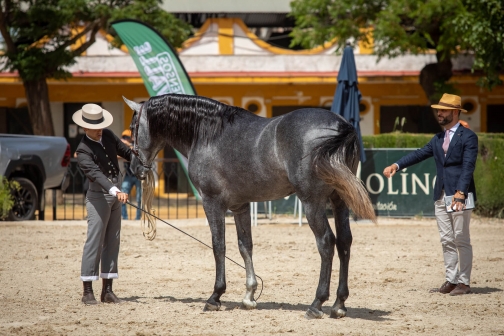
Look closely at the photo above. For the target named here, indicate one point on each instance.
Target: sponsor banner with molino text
(408, 193)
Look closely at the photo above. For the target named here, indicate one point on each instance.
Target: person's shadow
(485, 290)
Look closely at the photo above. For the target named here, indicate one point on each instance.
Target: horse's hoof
(338, 313)
(313, 313)
(249, 305)
(211, 307)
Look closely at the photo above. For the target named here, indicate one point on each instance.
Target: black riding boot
(107, 295)
(88, 296)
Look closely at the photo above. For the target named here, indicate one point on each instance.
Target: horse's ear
(134, 106)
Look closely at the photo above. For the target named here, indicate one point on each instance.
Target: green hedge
(489, 173)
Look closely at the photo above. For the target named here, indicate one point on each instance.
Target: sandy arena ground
(165, 282)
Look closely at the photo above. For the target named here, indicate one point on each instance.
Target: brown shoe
(461, 289)
(88, 296)
(107, 295)
(445, 288)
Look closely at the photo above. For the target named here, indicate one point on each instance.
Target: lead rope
(152, 226)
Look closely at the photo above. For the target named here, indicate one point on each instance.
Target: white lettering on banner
(380, 181)
(157, 82)
(404, 184)
(415, 180)
(160, 70)
(391, 206)
(416, 183)
(143, 49)
(390, 191)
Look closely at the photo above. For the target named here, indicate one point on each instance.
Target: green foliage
(489, 172)
(441, 88)
(489, 176)
(400, 26)
(38, 34)
(396, 140)
(481, 23)
(318, 21)
(173, 30)
(409, 27)
(6, 198)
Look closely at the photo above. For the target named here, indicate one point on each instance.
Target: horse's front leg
(215, 212)
(317, 219)
(245, 245)
(343, 243)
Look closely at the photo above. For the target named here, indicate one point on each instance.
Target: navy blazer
(455, 171)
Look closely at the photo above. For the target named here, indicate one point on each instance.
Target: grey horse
(236, 157)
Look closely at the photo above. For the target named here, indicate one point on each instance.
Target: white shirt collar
(454, 128)
(94, 140)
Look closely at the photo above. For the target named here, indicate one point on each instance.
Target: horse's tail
(335, 161)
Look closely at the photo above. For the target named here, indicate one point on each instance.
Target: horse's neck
(184, 144)
(180, 147)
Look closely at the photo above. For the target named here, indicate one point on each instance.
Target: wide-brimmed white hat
(92, 116)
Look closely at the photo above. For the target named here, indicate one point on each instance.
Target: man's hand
(458, 202)
(390, 170)
(122, 197)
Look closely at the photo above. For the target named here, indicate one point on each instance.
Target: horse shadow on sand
(353, 313)
(134, 299)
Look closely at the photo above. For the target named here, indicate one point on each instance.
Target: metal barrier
(173, 194)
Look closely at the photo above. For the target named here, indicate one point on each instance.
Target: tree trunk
(439, 72)
(37, 96)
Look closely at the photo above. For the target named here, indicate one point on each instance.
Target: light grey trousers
(103, 236)
(456, 242)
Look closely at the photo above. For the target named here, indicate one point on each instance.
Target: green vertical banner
(158, 64)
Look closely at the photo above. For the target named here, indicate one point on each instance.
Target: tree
(40, 40)
(400, 27)
(481, 23)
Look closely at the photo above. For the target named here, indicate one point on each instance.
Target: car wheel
(25, 200)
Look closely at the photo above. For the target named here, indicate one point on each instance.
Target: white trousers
(456, 242)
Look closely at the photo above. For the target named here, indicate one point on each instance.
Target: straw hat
(92, 116)
(449, 102)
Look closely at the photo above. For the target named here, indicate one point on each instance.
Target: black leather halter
(135, 142)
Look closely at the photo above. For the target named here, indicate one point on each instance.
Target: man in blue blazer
(455, 151)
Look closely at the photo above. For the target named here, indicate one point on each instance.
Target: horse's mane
(186, 117)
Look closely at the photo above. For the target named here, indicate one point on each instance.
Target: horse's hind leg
(317, 219)
(343, 243)
(215, 212)
(244, 231)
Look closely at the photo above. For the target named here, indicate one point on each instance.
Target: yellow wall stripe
(226, 39)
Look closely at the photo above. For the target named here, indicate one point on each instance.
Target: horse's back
(273, 140)
(264, 158)
(306, 119)
(304, 129)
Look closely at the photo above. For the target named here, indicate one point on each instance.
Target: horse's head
(144, 148)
